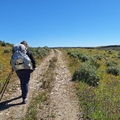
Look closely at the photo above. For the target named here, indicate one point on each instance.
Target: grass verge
(101, 102)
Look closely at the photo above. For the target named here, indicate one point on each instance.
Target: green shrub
(98, 57)
(110, 63)
(73, 54)
(3, 44)
(84, 58)
(94, 63)
(114, 70)
(7, 51)
(86, 73)
(78, 55)
(109, 52)
(40, 52)
(118, 55)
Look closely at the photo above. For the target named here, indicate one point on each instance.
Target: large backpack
(19, 58)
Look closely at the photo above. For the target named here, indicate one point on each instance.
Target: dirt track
(63, 102)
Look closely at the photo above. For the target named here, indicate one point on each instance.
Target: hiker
(24, 73)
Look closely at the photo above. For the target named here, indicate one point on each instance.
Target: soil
(63, 102)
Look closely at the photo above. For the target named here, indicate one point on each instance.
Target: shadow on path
(5, 104)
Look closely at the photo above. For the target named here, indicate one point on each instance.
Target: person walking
(24, 74)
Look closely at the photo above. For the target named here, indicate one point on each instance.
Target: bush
(40, 52)
(114, 70)
(86, 73)
(98, 57)
(3, 44)
(84, 58)
(7, 51)
(118, 55)
(94, 63)
(110, 63)
(73, 54)
(109, 52)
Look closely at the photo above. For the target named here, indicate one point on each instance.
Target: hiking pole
(5, 85)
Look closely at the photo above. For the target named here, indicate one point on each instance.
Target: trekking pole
(5, 85)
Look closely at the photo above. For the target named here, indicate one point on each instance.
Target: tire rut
(63, 100)
(12, 109)
(63, 103)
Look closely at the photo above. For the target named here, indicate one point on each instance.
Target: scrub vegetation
(97, 74)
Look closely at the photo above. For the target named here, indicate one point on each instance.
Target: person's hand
(34, 69)
(31, 70)
(12, 71)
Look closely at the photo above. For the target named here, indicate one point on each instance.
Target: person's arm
(29, 53)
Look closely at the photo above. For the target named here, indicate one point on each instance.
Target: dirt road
(63, 101)
(64, 104)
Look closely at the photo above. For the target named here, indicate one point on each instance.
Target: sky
(60, 23)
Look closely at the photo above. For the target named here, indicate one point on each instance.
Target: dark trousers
(24, 76)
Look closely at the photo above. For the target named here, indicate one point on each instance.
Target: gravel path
(13, 109)
(63, 102)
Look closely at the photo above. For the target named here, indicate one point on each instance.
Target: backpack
(19, 59)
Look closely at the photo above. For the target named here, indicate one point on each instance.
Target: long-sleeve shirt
(30, 54)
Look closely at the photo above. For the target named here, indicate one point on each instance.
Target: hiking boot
(24, 101)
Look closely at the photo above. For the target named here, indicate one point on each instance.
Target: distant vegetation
(97, 74)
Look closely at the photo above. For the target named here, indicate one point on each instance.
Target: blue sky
(60, 23)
